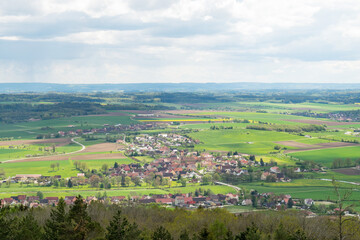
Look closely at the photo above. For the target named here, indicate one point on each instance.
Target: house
(179, 201)
(246, 202)
(199, 199)
(26, 176)
(33, 198)
(309, 202)
(117, 199)
(168, 201)
(70, 199)
(264, 175)
(275, 170)
(146, 201)
(53, 200)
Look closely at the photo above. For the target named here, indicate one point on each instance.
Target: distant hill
(167, 87)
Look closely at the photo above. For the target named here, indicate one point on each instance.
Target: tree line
(106, 221)
(288, 128)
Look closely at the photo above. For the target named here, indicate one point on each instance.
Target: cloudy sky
(132, 41)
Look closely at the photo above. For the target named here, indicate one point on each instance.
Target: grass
(16, 189)
(29, 130)
(66, 168)
(22, 151)
(261, 142)
(254, 116)
(305, 188)
(327, 156)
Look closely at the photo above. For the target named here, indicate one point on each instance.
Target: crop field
(29, 130)
(20, 149)
(85, 191)
(241, 140)
(327, 156)
(207, 126)
(305, 188)
(274, 107)
(254, 116)
(66, 167)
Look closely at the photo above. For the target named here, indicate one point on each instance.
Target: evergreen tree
(27, 228)
(123, 183)
(116, 165)
(184, 235)
(5, 226)
(70, 184)
(229, 235)
(290, 203)
(56, 228)
(161, 234)
(121, 229)
(81, 222)
(204, 234)
(281, 233)
(251, 233)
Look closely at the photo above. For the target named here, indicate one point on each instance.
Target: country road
(229, 185)
(83, 147)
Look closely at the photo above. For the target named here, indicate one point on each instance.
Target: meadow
(29, 130)
(242, 140)
(24, 151)
(66, 168)
(307, 188)
(85, 191)
(327, 156)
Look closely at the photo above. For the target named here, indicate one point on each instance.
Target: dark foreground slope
(102, 221)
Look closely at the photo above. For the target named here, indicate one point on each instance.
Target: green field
(16, 189)
(274, 107)
(24, 151)
(66, 168)
(241, 140)
(327, 156)
(28, 130)
(254, 116)
(306, 188)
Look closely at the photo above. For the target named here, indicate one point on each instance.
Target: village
(174, 164)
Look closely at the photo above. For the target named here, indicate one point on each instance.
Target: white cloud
(179, 40)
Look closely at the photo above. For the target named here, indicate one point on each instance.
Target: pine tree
(161, 234)
(204, 234)
(290, 203)
(57, 227)
(123, 184)
(70, 184)
(251, 233)
(27, 228)
(184, 235)
(121, 229)
(81, 222)
(262, 162)
(229, 235)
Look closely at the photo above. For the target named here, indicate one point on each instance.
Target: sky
(135, 41)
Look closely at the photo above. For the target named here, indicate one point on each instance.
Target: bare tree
(342, 197)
